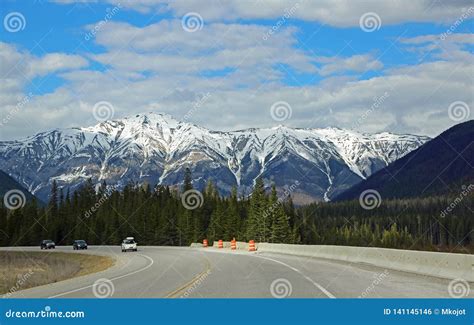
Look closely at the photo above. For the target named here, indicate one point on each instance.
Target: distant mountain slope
(155, 148)
(440, 166)
(7, 184)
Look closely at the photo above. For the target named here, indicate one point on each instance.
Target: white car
(129, 244)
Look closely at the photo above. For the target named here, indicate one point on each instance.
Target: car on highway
(129, 244)
(79, 244)
(47, 244)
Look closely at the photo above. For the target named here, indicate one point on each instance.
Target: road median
(21, 270)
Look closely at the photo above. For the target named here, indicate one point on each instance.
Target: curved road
(211, 273)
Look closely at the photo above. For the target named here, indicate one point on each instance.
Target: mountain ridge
(155, 148)
(19, 195)
(440, 166)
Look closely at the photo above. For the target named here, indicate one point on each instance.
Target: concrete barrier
(240, 245)
(226, 244)
(443, 265)
(243, 245)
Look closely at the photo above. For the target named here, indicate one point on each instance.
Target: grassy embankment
(22, 270)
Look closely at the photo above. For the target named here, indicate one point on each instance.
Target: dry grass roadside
(22, 270)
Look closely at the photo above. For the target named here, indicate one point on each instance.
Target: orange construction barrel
(252, 246)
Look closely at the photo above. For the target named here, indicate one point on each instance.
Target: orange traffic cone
(220, 244)
(204, 243)
(233, 244)
(252, 246)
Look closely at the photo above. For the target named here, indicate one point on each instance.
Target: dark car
(47, 244)
(79, 244)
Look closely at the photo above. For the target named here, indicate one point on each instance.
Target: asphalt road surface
(174, 272)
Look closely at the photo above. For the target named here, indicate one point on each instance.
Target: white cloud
(19, 67)
(17, 70)
(164, 68)
(460, 38)
(165, 47)
(339, 13)
(451, 47)
(418, 101)
(55, 62)
(356, 63)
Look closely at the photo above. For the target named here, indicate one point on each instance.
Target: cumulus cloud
(55, 62)
(19, 67)
(341, 13)
(453, 47)
(419, 97)
(165, 47)
(356, 63)
(163, 68)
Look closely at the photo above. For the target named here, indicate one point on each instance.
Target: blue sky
(141, 57)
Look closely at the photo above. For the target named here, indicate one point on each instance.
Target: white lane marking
(113, 279)
(317, 285)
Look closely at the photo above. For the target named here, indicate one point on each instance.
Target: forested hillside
(162, 216)
(440, 166)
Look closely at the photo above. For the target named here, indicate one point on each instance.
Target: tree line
(163, 215)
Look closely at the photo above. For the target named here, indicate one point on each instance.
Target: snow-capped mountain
(155, 148)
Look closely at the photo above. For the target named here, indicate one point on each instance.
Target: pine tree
(232, 223)
(188, 180)
(52, 222)
(281, 232)
(270, 213)
(185, 219)
(257, 228)
(156, 216)
(215, 230)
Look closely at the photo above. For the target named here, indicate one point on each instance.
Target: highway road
(174, 272)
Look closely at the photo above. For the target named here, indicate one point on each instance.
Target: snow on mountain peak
(155, 147)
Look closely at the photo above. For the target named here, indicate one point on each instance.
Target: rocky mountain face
(312, 164)
(440, 166)
(11, 193)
